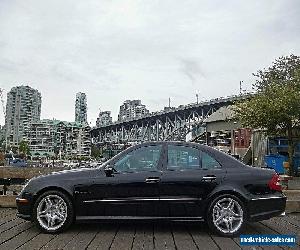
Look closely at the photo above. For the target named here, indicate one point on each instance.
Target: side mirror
(109, 171)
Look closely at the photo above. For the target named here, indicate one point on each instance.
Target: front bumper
(263, 208)
(24, 216)
(282, 214)
(24, 206)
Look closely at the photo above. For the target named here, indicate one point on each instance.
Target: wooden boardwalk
(16, 233)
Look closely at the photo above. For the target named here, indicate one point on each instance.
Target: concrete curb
(293, 201)
(292, 206)
(292, 195)
(8, 201)
(26, 173)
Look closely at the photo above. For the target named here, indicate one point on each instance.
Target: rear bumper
(264, 208)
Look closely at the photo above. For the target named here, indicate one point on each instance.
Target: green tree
(96, 152)
(24, 148)
(275, 107)
(56, 151)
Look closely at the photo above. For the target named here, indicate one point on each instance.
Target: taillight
(274, 183)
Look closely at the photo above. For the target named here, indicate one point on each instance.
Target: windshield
(113, 158)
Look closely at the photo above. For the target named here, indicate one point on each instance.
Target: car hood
(74, 173)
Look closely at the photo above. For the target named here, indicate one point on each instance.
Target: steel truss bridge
(172, 125)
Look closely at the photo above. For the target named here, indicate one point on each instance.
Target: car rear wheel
(226, 215)
(53, 212)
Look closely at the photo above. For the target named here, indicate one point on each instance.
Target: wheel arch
(233, 192)
(54, 188)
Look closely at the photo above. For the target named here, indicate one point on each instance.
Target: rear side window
(209, 162)
(181, 157)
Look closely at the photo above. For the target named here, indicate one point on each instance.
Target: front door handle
(209, 178)
(152, 180)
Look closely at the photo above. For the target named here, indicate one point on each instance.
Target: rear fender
(236, 191)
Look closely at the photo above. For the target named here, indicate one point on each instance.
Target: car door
(132, 190)
(187, 179)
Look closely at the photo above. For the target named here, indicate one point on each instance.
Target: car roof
(169, 142)
(225, 160)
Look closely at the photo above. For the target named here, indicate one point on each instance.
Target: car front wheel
(226, 215)
(53, 212)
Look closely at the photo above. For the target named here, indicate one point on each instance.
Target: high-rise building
(104, 119)
(1, 134)
(132, 109)
(22, 108)
(81, 108)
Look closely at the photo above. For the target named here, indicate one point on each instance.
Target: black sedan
(158, 181)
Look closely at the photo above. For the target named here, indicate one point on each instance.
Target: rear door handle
(152, 180)
(209, 178)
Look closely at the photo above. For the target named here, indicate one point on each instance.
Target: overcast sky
(147, 49)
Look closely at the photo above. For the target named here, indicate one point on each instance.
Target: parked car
(17, 162)
(157, 181)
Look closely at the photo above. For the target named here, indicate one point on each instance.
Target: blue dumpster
(276, 162)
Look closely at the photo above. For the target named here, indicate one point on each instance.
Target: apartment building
(132, 109)
(22, 108)
(60, 138)
(81, 108)
(104, 119)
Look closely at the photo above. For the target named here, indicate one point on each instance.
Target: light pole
(241, 90)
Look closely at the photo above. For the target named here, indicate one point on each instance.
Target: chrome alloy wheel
(227, 215)
(52, 212)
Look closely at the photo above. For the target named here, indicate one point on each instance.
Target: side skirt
(89, 218)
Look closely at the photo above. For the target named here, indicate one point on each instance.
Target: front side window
(141, 159)
(181, 157)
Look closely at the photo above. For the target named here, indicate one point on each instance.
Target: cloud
(150, 50)
(191, 68)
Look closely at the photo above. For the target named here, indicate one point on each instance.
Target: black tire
(69, 211)
(210, 219)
